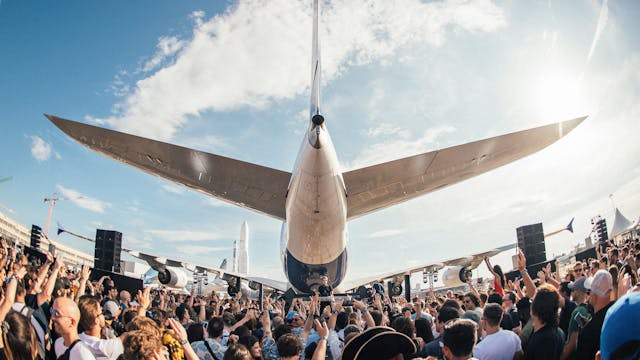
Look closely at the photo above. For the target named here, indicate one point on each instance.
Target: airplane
(180, 275)
(179, 278)
(316, 200)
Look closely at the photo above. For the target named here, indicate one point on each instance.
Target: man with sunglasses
(66, 316)
(578, 270)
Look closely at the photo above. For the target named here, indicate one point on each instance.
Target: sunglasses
(578, 270)
(56, 314)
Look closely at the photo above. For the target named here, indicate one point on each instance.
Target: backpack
(41, 322)
(67, 353)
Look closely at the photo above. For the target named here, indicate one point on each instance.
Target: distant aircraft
(181, 275)
(316, 200)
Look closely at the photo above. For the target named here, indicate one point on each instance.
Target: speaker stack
(531, 242)
(108, 249)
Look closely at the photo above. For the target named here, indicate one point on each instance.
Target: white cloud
(83, 201)
(134, 243)
(216, 68)
(185, 235)
(198, 250)
(174, 189)
(386, 233)
(40, 149)
(167, 46)
(398, 146)
(211, 201)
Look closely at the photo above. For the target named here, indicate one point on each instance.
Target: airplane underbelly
(316, 220)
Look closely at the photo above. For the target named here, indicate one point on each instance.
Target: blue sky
(400, 78)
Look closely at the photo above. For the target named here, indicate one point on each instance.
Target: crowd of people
(588, 310)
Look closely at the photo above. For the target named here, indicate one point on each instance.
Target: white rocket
(243, 250)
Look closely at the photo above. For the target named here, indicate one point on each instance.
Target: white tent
(620, 225)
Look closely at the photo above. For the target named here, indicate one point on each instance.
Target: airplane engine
(456, 276)
(173, 277)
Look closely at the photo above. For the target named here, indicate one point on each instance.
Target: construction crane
(52, 202)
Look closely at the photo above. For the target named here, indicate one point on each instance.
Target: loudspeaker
(108, 249)
(122, 282)
(531, 242)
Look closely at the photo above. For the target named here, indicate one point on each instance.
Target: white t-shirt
(79, 352)
(501, 345)
(103, 349)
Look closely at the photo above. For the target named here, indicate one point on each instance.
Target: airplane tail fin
(570, 226)
(223, 264)
(314, 110)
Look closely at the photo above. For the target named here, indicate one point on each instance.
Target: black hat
(379, 342)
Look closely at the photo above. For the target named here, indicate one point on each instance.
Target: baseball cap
(600, 284)
(564, 286)
(621, 325)
(292, 314)
(579, 284)
(110, 309)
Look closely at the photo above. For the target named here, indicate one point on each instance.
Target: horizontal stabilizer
(244, 184)
(376, 187)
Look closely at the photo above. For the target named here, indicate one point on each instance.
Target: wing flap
(378, 186)
(248, 185)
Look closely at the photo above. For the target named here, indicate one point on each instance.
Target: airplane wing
(375, 187)
(160, 263)
(248, 185)
(470, 262)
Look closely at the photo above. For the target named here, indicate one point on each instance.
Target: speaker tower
(531, 242)
(108, 249)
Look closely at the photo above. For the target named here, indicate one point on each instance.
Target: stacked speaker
(108, 249)
(531, 242)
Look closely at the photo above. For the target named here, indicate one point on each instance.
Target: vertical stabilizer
(315, 64)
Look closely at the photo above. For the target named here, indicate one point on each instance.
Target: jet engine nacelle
(173, 277)
(456, 276)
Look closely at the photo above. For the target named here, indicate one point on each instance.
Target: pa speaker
(107, 250)
(531, 242)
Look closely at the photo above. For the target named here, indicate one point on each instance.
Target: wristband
(325, 338)
(524, 272)
(184, 342)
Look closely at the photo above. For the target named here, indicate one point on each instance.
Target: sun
(558, 94)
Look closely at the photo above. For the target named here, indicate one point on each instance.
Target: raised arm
(45, 294)
(321, 349)
(181, 335)
(84, 277)
(530, 287)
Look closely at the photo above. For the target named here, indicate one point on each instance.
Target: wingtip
(567, 126)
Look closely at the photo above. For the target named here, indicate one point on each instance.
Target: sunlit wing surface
(248, 185)
(382, 185)
(470, 262)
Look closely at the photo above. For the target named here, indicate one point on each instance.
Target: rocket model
(243, 249)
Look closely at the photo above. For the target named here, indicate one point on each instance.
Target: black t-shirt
(324, 290)
(507, 322)
(565, 314)
(545, 344)
(31, 300)
(589, 338)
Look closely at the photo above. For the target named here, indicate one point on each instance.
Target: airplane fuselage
(314, 234)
